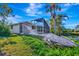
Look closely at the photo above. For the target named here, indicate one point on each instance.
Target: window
(20, 28)
(11, 26)
(33, 27)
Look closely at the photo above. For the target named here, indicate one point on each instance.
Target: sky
(30, 11)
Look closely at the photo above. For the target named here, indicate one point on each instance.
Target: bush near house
(4, 30)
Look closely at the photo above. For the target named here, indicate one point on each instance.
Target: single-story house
(31, 27)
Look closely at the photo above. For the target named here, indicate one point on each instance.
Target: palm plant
(59, 24)
(52, 8)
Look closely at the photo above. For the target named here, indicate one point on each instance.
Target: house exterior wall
(30, 28)
(22, 29)
(15, 29)
(26, 29)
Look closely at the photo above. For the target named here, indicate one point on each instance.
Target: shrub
(4, 30)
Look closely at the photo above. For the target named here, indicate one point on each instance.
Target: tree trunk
(54, 16)
(54, 26)
(54, 19)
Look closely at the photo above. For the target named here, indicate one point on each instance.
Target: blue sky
(29, 11)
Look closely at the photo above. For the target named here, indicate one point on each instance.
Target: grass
(20, 45)
(15, 46)
(17, 50)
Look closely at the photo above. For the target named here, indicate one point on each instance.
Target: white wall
(16, 29)
(26, 29)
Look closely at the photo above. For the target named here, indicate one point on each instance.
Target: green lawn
(20, 45)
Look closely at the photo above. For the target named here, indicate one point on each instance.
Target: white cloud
(75, 4)
(17, 16)
(67, 4)
(12, 20)
(70, 4)
(33, 9)
(15, 19)
(33, 5)
(64, 9)
(71, 25)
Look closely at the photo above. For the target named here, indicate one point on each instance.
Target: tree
(59, 24)
(5, 11)
(52, 25)
(52, 8)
